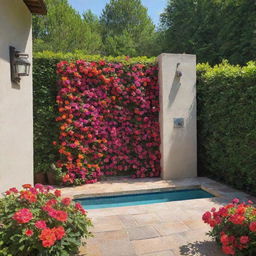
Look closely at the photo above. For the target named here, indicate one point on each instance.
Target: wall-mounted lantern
(20, 65)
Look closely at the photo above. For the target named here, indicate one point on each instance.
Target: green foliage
(124, 27)
(226, 123)
(127, 21)
(226, 116)
(35, 212)
(121, 44)
(63, 29)
(45, 107)
(211, 29)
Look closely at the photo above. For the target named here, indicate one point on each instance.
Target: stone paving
(164, 229)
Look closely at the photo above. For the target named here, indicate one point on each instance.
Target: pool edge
(146, 190)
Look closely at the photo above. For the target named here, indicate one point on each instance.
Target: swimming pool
(142, 199)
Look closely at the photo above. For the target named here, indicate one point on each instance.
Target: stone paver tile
(138, 209)
(148, 218)
(195, 235)
(108, 223)
(163, 253)
(128, 220)
(142, 232)
(111, 235)
(100, 213)
(175, 241)
(117, 248)
(151, 245)
(168, 228)
(171, 215)
(195, 224)
(156, 207)
(91, 248)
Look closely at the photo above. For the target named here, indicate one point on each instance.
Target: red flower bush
(36, 221)
(108, 115)
(234, 227)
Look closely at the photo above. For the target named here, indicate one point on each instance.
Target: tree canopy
(211, 29)
(63, 29)
(126, 27)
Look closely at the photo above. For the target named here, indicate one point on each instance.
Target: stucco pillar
(177, 79)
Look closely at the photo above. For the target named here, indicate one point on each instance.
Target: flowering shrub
(36, 221)
(108, 114)
(234, 227)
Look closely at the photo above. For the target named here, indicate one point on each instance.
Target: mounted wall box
(178, 122)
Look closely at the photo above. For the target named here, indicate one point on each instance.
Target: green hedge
(226, 117)
(226, 124)
(45, 108)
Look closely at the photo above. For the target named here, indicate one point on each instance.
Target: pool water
(142, 199)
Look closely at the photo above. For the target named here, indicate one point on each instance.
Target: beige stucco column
(177, 78)
(16, 109)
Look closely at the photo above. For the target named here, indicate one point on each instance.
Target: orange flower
(80, 156)
(48, 237)
(26, 186)
(79, 164)
(29, 196)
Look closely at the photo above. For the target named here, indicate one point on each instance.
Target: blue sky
(155, 7)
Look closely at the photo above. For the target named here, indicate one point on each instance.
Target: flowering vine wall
(108, 116)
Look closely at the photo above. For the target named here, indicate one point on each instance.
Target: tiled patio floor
(164, 229)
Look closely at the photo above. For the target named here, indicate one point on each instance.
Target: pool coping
(131, 186)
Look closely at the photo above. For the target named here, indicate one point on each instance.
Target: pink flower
(206, 217)
(57, 193)
(244, 239)
(11, 190)
(41, 224)
(252, 226)
(66, 201)
(229, 250)
(80, 208)
(23, 216)
(236, 201)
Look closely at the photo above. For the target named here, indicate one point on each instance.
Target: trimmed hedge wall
(226, 117)
(46, 129)
(226, 124)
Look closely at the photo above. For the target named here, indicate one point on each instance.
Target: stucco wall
(16, 118)
(178, 100)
